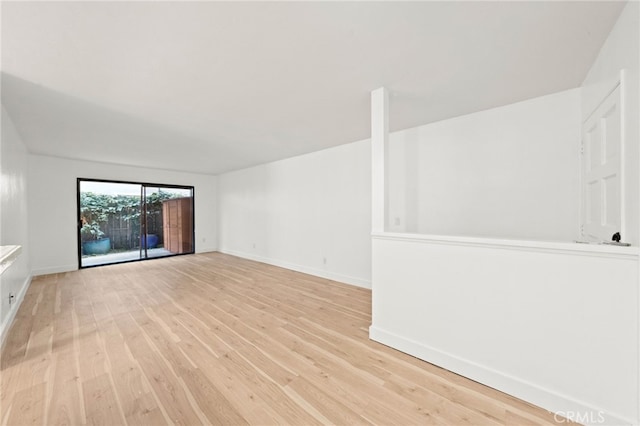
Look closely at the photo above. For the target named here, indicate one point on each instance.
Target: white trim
(581, 170)
(55, 270)
(8, 321)
(623, 141)
(635, 122)
(597, 250)
(208, 249)
(527, 391)
(358, 282)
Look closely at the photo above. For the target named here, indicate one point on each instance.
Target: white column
(379, 138)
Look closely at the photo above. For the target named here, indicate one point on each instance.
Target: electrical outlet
(204, 240)
(254, 245)
(11, 298)
(324, 260)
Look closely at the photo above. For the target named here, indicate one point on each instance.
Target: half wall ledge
(573, 248)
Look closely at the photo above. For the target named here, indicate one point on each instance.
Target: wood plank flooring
(214, 339)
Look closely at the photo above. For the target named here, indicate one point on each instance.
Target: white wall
(13, 220)
(556, 326)
(53, 206)
(508, 172)
(621, 51)
(299, 212)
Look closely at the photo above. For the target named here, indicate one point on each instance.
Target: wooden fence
(125, 233)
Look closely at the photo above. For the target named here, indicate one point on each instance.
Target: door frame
(618, 84)
(143, 185)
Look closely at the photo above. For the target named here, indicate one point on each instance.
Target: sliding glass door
(128, 221)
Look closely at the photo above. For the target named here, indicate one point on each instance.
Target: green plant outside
(98, 209)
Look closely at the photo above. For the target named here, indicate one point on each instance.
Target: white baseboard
(358, 282)
(210, 249)
(55, 270)
(532, 393)
(6, 324)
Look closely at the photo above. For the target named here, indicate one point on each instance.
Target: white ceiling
(216, 86)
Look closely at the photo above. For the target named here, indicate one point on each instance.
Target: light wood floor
(214, 339)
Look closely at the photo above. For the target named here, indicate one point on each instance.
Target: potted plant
(94, 213)
(92, 239)
(149, 241)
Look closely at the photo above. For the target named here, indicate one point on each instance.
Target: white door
(602, 178)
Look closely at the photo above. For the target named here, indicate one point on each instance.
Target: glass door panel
(109, 222)
(168, 221)
(127, 221)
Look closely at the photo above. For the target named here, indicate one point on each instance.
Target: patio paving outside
(124, 256)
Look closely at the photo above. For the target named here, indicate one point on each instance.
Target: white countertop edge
(8, 254)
